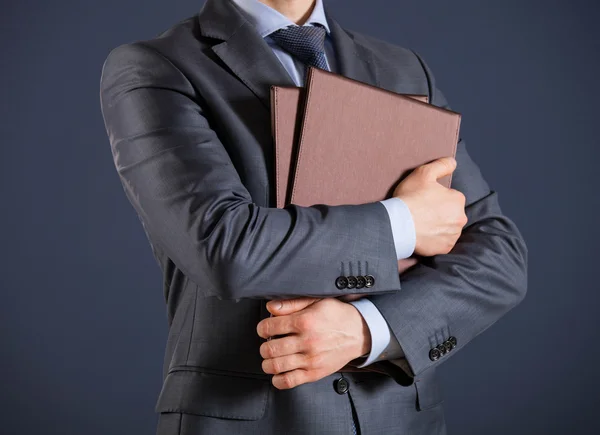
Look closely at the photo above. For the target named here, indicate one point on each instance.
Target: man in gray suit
(188, 117)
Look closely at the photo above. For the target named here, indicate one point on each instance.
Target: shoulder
(151, 62)
(167, 46)
(400, 69)
(387, 54)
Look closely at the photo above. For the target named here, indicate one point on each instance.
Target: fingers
(312, 366)
(294, 378)
(405, 264)
(281, 346)
(283, 364)
(460, 197)
(281, 307)
(438, 168)
(275, 326)
(461, 200)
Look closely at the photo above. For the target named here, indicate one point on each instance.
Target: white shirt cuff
(403, 227)
(383, 341)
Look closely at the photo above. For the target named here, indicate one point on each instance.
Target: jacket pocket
(429, 394)
(211, 393)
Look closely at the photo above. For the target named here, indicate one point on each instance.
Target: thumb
(282, 307)
(439, 168)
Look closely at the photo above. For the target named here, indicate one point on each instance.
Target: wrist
(366, 341)
(363, 335)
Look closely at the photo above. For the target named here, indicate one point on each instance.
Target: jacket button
(351, 282)
(434, 354)
(369, 281)
(448, 346)
(442, 349)
(453, 341)
(360, 281)
(341, 282)
(341, 386)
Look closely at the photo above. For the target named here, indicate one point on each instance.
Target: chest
(235, 101)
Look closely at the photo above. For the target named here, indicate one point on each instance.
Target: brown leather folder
(286, 118)
(287, 110)
(358, 141)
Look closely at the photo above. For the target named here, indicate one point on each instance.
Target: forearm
(462, 293)
(257, 252)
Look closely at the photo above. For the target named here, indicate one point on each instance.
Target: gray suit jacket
(188, 118)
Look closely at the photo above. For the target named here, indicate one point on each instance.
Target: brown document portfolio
(287, 112)
(357, 141)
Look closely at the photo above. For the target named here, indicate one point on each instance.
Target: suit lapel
(251, 59)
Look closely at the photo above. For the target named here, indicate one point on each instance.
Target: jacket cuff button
(448, 346)
(341, 282)
(360, 281)
(352, 282)
(434, 354)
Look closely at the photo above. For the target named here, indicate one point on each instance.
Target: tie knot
(307, 43)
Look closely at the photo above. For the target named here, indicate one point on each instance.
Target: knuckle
(267, 350)
(460, 197)
(266, 327)
(303, 322)
(315, 361)
(289, 304)
(444, 247)
(422, 171)
(444, 164)
(276, 366)
(287, 381)
(325, 305)
(311, 343)
(288, 345)
(301, 361)
(299, 322)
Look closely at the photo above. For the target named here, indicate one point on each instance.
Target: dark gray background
(82, 319)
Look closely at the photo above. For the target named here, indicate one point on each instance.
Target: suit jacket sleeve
(460, 294)
(178, 176)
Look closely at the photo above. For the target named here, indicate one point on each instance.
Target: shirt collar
(267, 20)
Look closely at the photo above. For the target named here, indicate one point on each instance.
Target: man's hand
(323, 335)
(438, 212)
